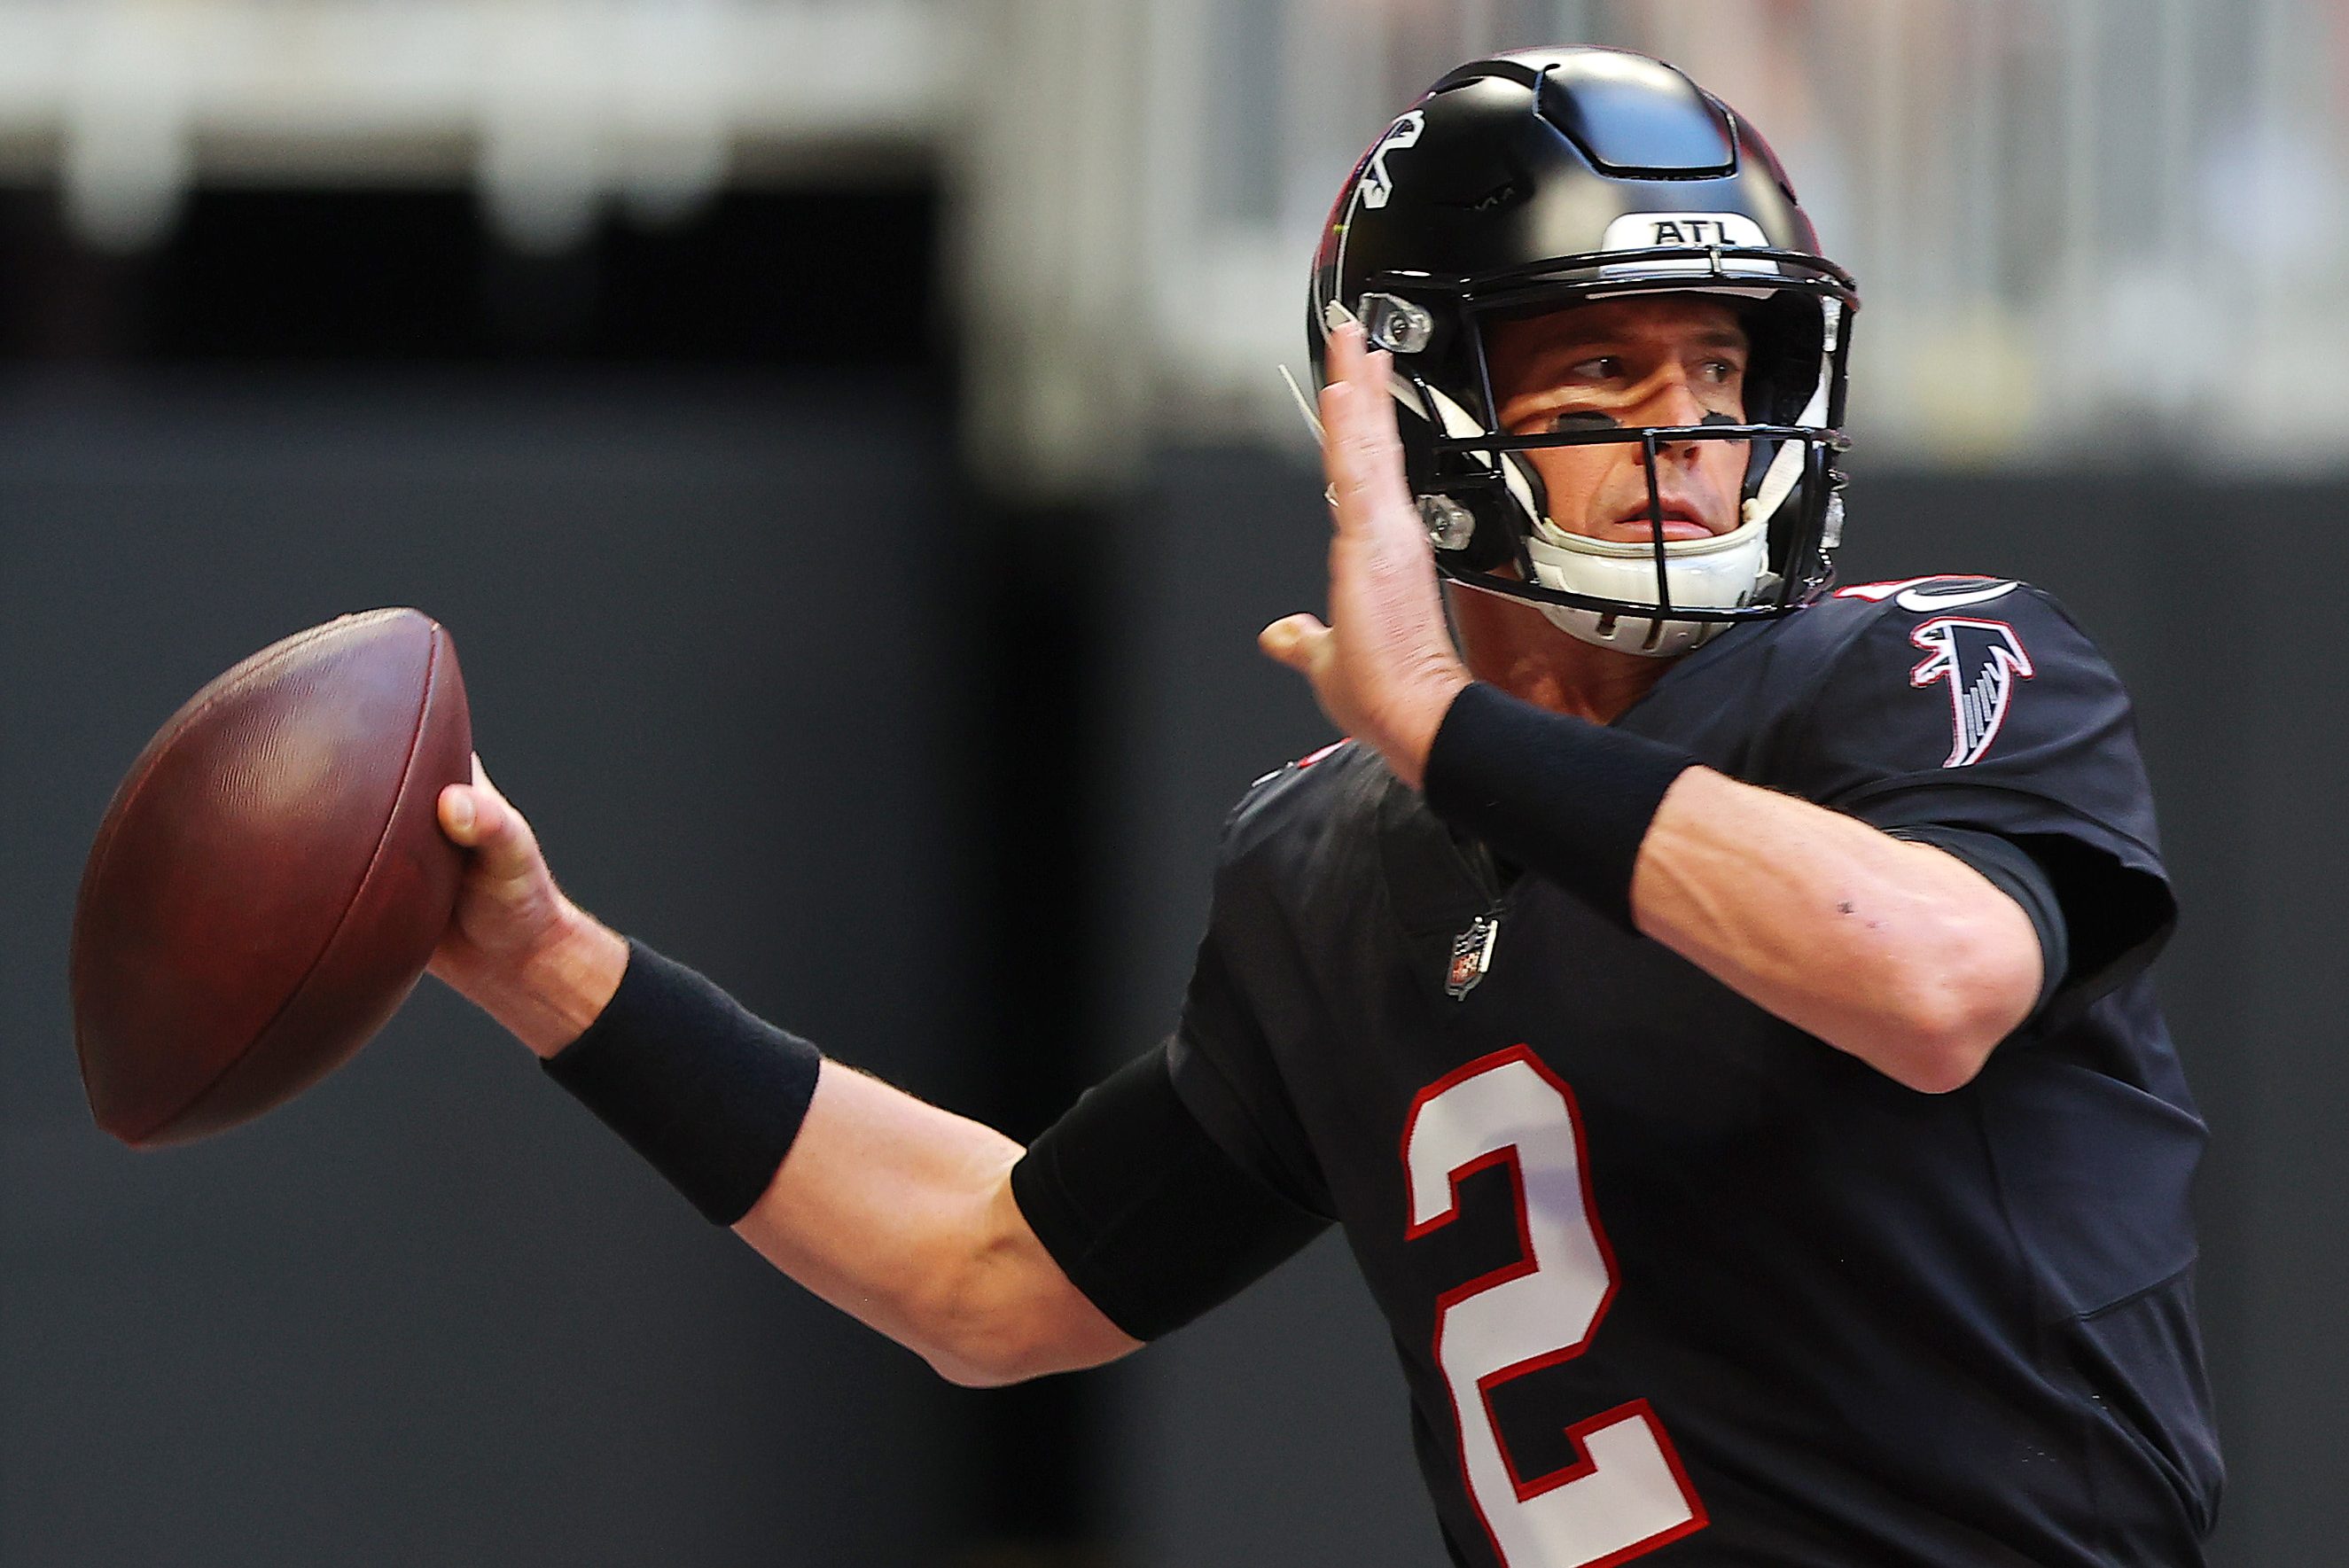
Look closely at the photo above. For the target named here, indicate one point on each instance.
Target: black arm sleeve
(1146, 1214)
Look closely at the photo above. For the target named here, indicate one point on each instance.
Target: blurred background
(844, 437)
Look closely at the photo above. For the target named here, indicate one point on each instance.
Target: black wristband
(709, 1095)
(1560, 796)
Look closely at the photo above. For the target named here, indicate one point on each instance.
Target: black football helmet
(1543, 178)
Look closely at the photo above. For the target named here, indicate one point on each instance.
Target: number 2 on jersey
(1629, 1494)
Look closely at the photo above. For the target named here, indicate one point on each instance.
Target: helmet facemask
(1484, 497)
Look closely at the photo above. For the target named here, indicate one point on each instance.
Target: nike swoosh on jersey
(1910, 594)
(1923, 602)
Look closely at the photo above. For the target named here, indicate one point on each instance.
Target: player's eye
(1568, 419)
(1597, 367)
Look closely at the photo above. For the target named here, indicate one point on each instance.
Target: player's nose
(1672, 402)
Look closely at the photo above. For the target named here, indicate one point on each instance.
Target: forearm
(896, 1211)
(1898, 953)
(1903, 955)
(901, 1214)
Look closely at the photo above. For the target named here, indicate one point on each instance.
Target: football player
(1713, 1002)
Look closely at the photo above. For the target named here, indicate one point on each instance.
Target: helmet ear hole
(1490, 545)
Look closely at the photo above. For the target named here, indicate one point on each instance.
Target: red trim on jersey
(1310, 758)
(1525, 1265)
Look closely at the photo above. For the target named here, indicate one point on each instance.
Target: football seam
(143, 774)
(406, 776)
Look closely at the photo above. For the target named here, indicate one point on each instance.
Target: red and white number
(1629, 1494)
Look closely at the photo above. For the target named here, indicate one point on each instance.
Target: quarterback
(1713, 1001)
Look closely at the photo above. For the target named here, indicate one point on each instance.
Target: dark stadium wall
(1275, 1430)
(432, 1312)
(780, 696)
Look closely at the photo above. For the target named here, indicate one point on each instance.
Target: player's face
(1658, 360)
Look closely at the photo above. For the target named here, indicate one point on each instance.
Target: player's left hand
(1384, 669)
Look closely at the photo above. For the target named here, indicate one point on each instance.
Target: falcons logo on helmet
(1378, 184)
(1982, 660)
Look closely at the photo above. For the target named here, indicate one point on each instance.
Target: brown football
(270, 878)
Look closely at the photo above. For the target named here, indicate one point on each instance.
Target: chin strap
(1304, 404)
(1786, 469)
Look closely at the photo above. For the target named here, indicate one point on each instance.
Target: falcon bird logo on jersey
(1982, 660)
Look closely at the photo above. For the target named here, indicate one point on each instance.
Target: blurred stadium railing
(2077, 221)
(551, 106)
(2082, 225)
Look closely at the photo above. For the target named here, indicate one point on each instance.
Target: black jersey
(1672, 1281)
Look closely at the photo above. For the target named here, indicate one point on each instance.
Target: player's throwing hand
(1385, 670)
(516, 947)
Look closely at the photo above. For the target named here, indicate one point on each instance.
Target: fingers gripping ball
(270, 879)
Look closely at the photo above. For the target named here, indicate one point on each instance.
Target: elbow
(1933, 1064)
(969, 1373)
(991, 1307)
(1938, 1048)
(976, 1343)
(1013, 1355)
(980, 1359)
(999, 1324)
(1954, 1013)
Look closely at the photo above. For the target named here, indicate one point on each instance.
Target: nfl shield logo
(1472, 955)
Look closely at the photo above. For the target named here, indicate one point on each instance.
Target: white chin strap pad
(1716, 573)
(1786, 469)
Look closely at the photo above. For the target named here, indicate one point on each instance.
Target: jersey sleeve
(1186, 1176)
(1982, 705)
(2004, 865)
(1244, 984)
(1145, 1213)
